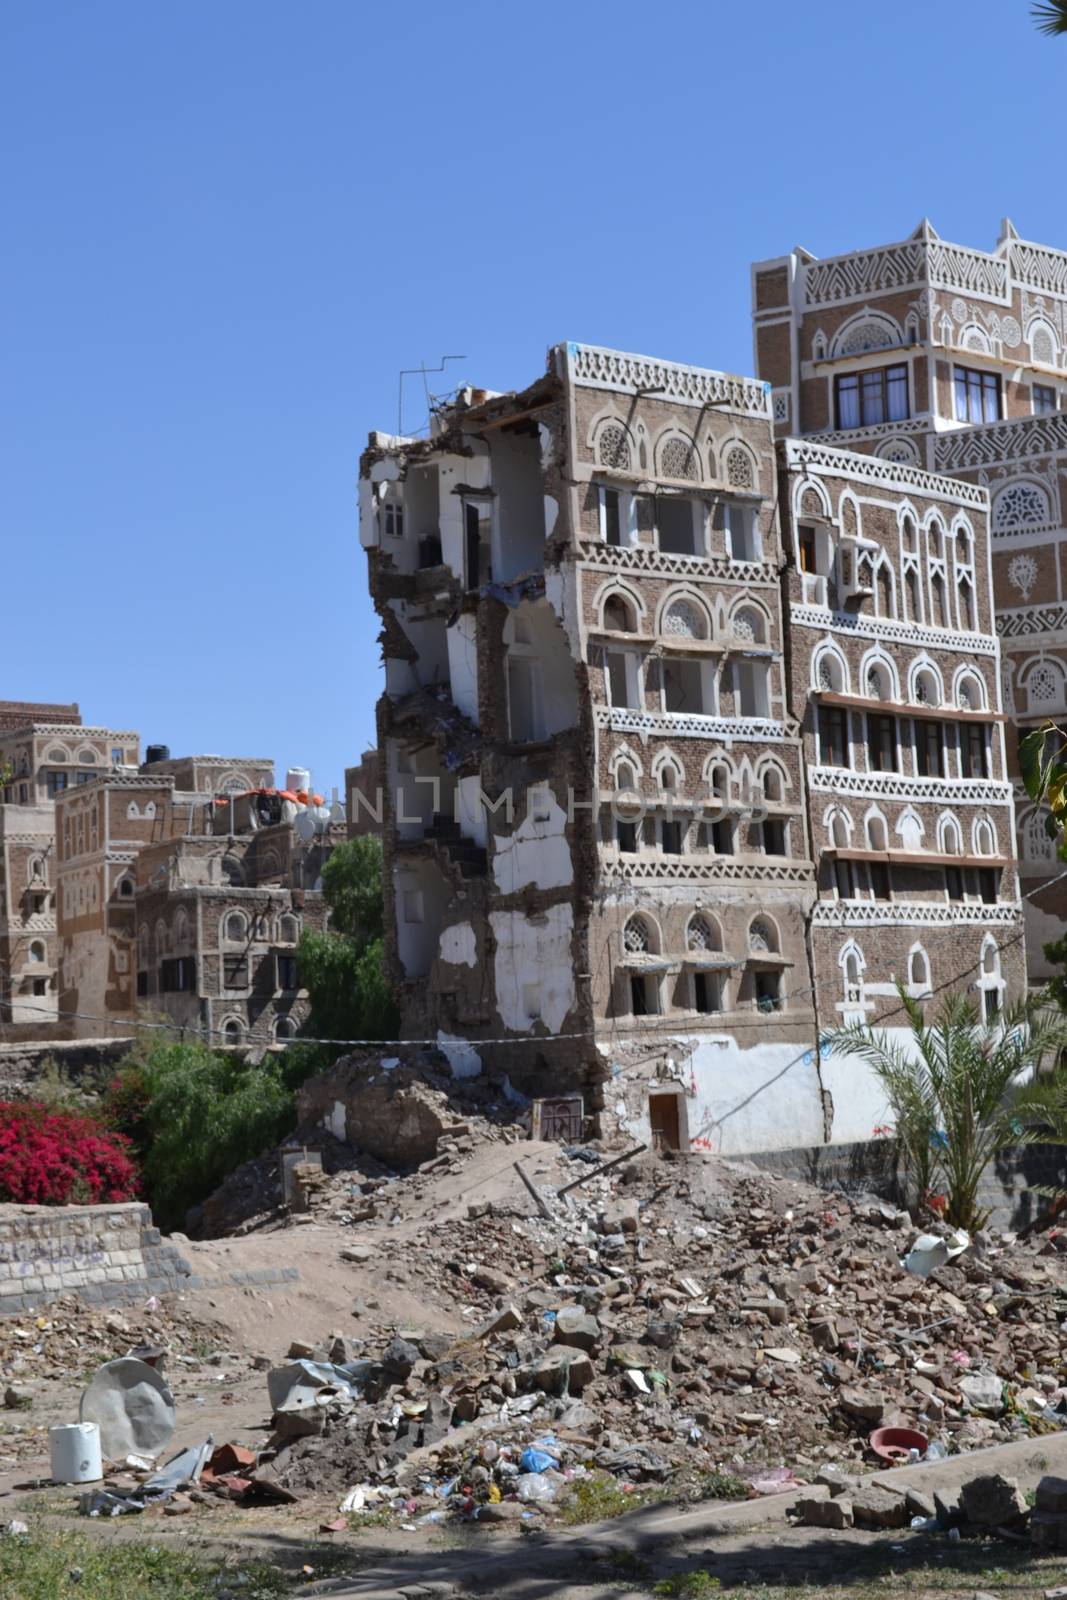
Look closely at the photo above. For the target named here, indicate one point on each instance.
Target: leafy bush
(204, 1113)
(57, 1158)
(342, 969)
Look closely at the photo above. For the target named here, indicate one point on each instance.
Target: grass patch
(48, 1565)
(598, 1496)
(688, 1585)
(723, 1486)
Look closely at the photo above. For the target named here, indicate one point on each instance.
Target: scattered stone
(834, 1513)
(919, 1504)
(992, 1500)
(576, 1327)
(874, 1507)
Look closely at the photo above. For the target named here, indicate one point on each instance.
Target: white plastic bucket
(75, 1450)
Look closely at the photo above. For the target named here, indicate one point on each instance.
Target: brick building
(184, 900)
(604, 793)
(45, 750)
(934, 354)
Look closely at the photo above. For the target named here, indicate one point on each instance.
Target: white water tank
(75, 1453)
(297, 778)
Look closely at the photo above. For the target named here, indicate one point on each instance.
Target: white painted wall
(534, 951)
(537, 852)
(459, 945)
(463, 664)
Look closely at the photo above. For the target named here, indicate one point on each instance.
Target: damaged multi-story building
(604, 768)
(933, 354)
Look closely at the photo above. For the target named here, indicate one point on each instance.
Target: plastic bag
(534, 1461)
(537, 1489)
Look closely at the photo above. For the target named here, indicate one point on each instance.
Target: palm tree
(951, 1084)
(1051, 16)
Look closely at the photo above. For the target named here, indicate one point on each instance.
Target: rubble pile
(368, 1119)
(667, 1322)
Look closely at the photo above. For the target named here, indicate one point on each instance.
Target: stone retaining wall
(1006, 1190)
(107, 1254)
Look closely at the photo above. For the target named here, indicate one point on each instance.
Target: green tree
(955, 1085)
(342, 968)
(199, 1113)
(1051, 17)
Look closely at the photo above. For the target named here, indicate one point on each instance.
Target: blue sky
(227, 227)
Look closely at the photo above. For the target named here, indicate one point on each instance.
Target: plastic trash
(935, 1451)
(930, 1252)
(923, 1524)
(536, 1488)
(533, 1460)
(182, 1469)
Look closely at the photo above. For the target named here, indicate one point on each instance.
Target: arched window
(749, 625)
(126, 886)
(919, 971)
(619, 614)
(985, 839)
(926, 691)
(37, 950)
(951, 835)
(1044, 685)
(852, 970)
(830, 673)
(677, 459)
(878, 684)
(910, 830)
(839, 831)
(626, 776)
(990, 982)
(235, 927)
(57, 755)
(288, 929)
(232, 1031)
(284, 1028)
(1037, 843)
(773, 785)
(613, 447)
(685, 620)
(133, 810)
(636, 939)
(703, 933)
(1042, 344)
(877, 836)
(181, 928)
(1020, 505)
(970, 693)
(762, 936)
(86, 757)
(37, 869)
(739, 470)
(883, 589)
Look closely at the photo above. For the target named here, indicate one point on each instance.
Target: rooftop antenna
(408, 372)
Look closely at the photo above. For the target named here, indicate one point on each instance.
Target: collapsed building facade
(932, 354)
(609, 863)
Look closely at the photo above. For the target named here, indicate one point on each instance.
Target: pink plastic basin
(894, 1444)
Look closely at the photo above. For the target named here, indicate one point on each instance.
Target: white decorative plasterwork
(803, 454)
(894, 266)
(656, 564)
(1021, 505)
(991, 443)
(1038, 266)
(896, 786)
(703, 869)
(591, 366)
(619, 719)
(1019, 622)
(860, 626)
(1022, 574)
(911, 914)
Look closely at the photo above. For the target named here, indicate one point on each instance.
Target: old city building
(187, 902)
(606, 778)
(894, 670)
(934, 354)
(44, 751)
